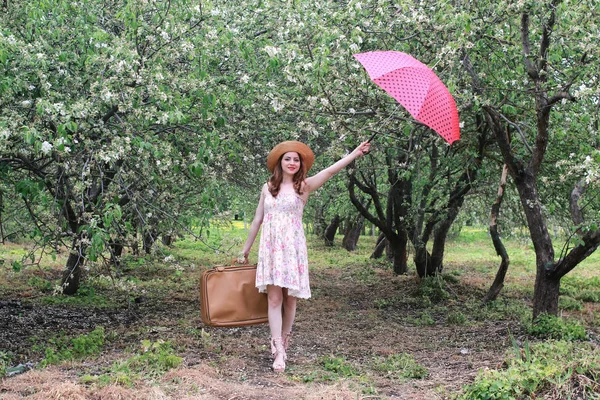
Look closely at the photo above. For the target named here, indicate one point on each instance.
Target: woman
(282, 270)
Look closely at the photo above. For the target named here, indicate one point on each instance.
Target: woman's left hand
(362, 149)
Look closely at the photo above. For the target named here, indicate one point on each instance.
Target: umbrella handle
(372, 136)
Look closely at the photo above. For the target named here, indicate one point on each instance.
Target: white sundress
(282, 254)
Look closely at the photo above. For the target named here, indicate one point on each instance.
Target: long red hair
(277, 178)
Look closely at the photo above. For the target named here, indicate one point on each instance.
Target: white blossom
(272, 51)
(277, 105)
(46, 147)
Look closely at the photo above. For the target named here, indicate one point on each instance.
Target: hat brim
(307, 155)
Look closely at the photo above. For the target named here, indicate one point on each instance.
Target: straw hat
(307, 155)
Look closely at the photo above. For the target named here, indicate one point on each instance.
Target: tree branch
(113, 110)
(576, 194)
(374, 195)
(545, 40)
(589, 243)
(559, 96)
(518, 128)
(514, 165)
(530, 66)
(364, 212)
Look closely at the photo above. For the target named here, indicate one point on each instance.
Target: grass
(151, 360)
(86, 296)
(554, 370)
(400, 366)
(351, 290)
(62, 348)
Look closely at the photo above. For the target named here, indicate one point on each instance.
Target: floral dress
(282, 254)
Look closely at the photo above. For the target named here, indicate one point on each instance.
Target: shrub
(424, 319)
(451, 278)
(584, 289)
(456, 318)
(153, 360)
(4, 363)
(589, 295)
(567, 369)
(548, 326)
(62, 348)
(85, 297)
(569, 303)
(433, 288)
(365, 275)
(498, 310)
(156, 359)
(339, 366)
(400, 366)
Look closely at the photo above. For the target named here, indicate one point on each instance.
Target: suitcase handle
(222, 268)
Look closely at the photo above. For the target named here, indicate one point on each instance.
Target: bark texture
(498, 283)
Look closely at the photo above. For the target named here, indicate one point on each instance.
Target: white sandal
(278, 349)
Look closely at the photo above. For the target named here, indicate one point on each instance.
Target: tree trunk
(544, 299)
(116, 250)
(545, 295)
(353, 233)
(319, 224)
(135, 247)
(331, 230)
(149, 239)
(379, 247)
(423, 262)
(72, 274)
(399, 245)
(498, 283)
(167, 240)
(1, 227)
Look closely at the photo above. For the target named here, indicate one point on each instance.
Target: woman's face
(290, 163)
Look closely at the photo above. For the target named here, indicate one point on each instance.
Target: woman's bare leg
(275, 300)
(289, 314)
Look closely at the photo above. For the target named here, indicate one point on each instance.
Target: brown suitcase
(229, 297)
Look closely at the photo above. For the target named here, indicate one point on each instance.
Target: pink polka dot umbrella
(416, 87)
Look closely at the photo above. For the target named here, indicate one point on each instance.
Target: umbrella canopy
(416, 87)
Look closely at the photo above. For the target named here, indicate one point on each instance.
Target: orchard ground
(365, 334)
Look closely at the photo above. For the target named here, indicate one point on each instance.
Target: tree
(498, 283)
(103, 107)
(536, 82)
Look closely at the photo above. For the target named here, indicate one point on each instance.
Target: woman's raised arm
(316, 181)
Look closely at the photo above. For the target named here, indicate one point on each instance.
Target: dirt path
(351, 321)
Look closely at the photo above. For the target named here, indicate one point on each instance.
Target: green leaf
(220, 122)
(17, 266)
